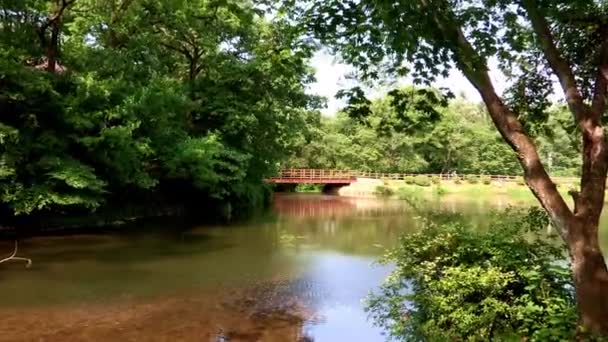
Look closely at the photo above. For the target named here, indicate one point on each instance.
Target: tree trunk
(578, 228)
(590, 277)
(52, 49)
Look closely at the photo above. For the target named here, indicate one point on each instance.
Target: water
(298, 273)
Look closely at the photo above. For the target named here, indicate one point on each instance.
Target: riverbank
(398, 189)
(129, 216)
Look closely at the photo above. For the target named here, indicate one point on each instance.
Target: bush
(520, 181)
(457, 180)
(456, 283)
(472, 179)
(410, 194)
(383, 191)
(422, 181)
(435, 180)
(409, 180)
(487, 180)
(305, 187)
(439, 191)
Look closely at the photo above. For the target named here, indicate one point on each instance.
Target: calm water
(298, 273)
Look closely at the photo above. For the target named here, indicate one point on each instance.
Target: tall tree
(532, 40)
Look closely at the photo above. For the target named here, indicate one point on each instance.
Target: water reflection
(298, 274)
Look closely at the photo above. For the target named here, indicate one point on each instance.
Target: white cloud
(331, 76)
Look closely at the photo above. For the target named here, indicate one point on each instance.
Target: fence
(294, 174)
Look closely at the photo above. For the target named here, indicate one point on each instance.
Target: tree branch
(124, 5)
(13, 256)
(601, 81)
(557, 63)
(475, 69)
(595, 150)
(51, 20)
(182, 50)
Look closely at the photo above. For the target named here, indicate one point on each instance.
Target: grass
(510, 190)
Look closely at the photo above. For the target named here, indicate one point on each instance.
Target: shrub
(439, 191)
(309, 187)
(472, 179)
(410, 194)
(422, 181)
(383, 191)
(456, 283)
(520, 181)
(409, 180)
(487, 180)
(457, 180)
(435, 180)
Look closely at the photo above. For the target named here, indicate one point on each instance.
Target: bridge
(345, 177)
(313, 176)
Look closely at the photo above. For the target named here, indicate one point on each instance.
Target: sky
(331, 76)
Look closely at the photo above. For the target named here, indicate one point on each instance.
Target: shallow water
(297, 273)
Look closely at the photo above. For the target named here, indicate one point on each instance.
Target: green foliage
(462, 139)
(486, 180)
(471, 179)
(410, 194)
(435, 180)
(458, 180)
(383, 191)
(453, 283)
(439, 191)
(410, 180)
(422, 181)
(173, 99)
(308, 188)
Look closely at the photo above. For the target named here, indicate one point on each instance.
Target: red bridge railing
(314, 176)
(350, 176)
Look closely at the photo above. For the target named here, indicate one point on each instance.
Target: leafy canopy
(149, 99)
(425, 39)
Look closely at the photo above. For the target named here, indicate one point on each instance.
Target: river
(296, 273)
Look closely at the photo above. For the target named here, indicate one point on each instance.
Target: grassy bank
(425, 187)
(510, 190)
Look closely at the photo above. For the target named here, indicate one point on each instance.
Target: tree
(138, 101)
(382, 136)
(532, 40)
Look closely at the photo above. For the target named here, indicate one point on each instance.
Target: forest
(460, 138)
(122, 101)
